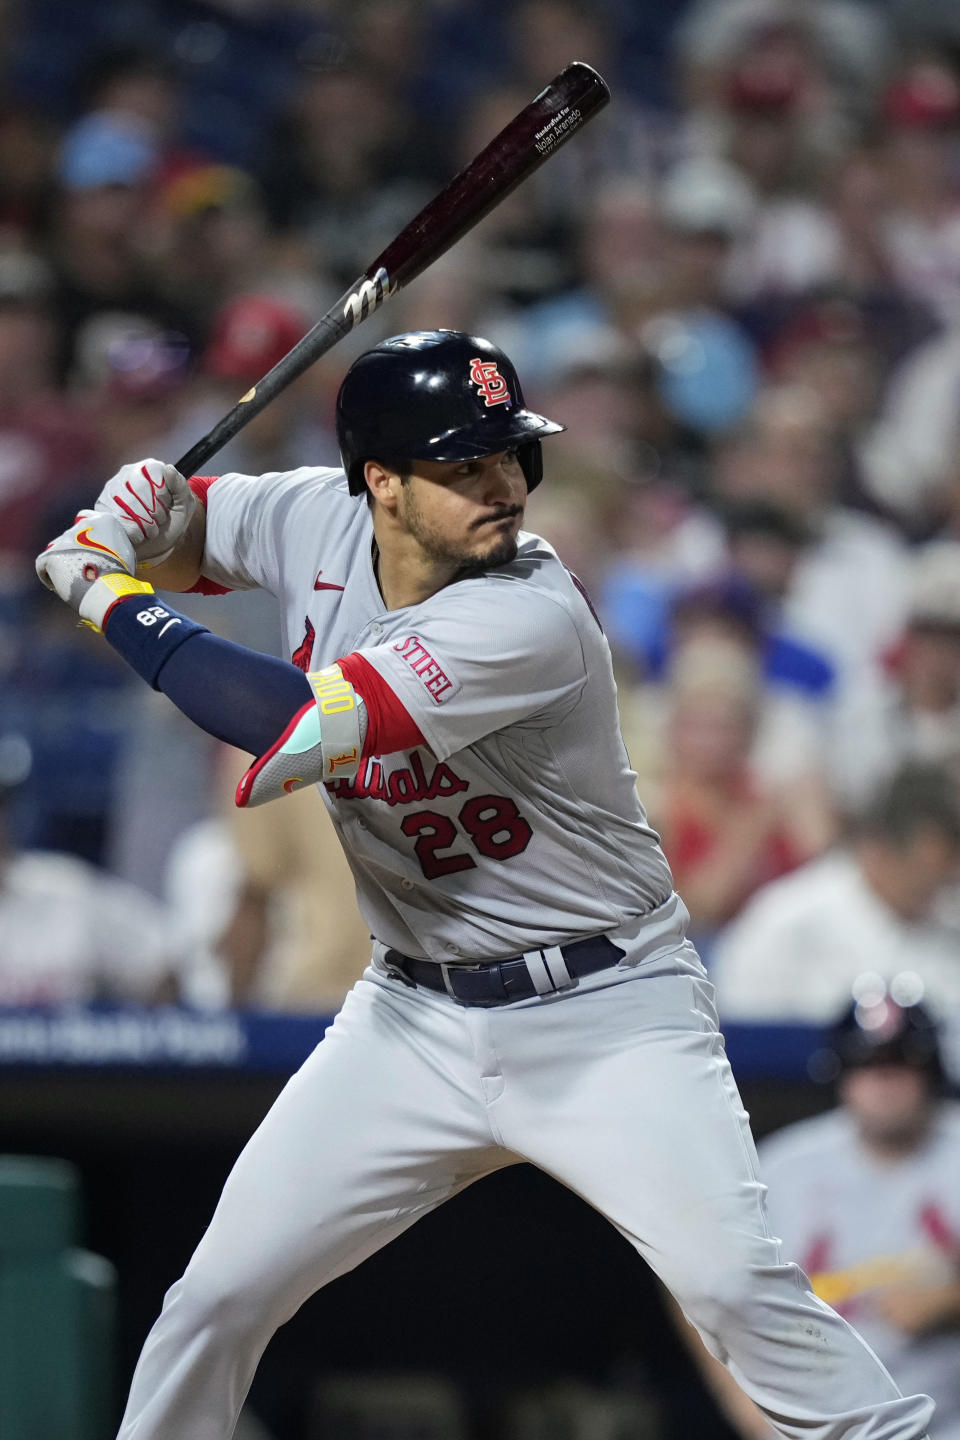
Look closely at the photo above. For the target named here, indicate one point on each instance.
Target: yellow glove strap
(126, 585)
(119, 585)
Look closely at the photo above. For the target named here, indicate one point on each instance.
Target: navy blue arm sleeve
(236, 694)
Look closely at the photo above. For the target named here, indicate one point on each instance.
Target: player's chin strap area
(324, 741)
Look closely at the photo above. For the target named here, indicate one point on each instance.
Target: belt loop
(556, 967)
(538, 972)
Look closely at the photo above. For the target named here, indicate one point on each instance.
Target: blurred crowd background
(740, 289)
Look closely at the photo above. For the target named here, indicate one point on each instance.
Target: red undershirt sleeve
(200, 484)
(390, 726)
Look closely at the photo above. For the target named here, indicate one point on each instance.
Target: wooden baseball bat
(523, 144)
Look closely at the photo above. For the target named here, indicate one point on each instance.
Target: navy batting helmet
(435, 395)
(879, 1031)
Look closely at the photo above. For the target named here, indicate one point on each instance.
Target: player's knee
(228, 1303)
(722, 1295)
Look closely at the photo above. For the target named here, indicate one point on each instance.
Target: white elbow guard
(323, 741)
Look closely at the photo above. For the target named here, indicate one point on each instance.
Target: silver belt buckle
(445, 976)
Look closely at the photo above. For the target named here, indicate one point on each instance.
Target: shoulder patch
(433, 677)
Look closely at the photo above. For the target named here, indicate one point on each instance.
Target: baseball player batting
(531, 994)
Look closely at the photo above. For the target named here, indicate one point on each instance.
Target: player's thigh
(379, 1126)
(653, 1131)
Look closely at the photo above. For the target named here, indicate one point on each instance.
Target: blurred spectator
(914, 712)
(706, 205)
(827, 348)
(215, 240)
(462, 290)
(921, 116)
(612, 415)
(28, 144)
(249, 335)
(217, 923)
(770, 140)
(864, 1199)
(706, 362)
(620, 262)
(908, 456)
(48, 447)
(855, 566)
(630, 138)
(264, 907)
(394, 42)
(139, 90)
(865, 908)
(65, 694)
(726, 830)
(791, 733)
(130, 377)
(344, 168)
(763, 543)
(652, 267)
(102, 241)
(72, 933)
(837, 52)
(785, 117)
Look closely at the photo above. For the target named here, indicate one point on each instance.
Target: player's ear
(383, 483)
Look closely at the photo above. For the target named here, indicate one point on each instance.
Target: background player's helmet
(435, 395)
(882, 1032)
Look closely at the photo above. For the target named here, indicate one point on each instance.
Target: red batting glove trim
(200, 484)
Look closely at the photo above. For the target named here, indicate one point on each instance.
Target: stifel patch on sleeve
(431, 674)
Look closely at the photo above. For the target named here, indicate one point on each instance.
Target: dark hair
(116, 62)
(918, 797)
(763, 517)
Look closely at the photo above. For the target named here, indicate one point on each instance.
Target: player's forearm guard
(323, 741)
(145, 634)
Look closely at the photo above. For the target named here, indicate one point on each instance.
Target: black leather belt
(498, 982)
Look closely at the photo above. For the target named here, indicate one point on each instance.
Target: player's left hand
(94, 546)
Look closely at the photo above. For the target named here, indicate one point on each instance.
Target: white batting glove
(91, 566)
(153, 503)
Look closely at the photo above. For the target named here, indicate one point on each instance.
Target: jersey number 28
(493, 823)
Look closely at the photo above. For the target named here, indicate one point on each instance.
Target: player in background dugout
(867, 1197)
(531, 994)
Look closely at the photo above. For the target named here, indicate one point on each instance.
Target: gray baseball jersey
(509, 678)
(858, 1225)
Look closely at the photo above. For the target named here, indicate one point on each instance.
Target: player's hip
(654, 939)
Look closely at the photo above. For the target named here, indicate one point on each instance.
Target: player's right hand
(153, 503)
(95, 546)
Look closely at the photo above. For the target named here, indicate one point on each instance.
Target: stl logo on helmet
(488, 380)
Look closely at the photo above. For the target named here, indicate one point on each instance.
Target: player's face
(465, 513)
(889, 1103)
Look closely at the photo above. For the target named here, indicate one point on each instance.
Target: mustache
(507, 513)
